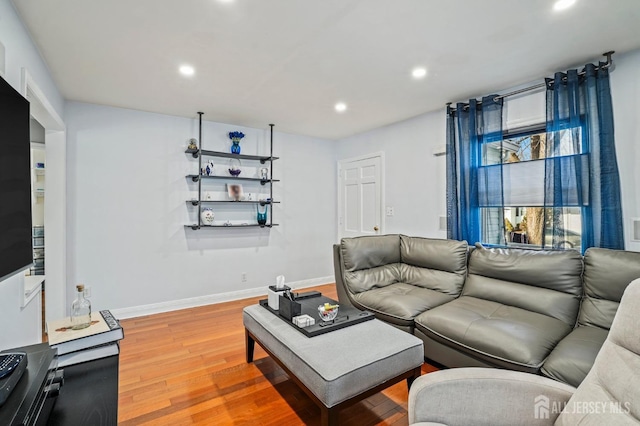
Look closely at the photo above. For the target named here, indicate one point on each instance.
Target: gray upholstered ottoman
(338, 368)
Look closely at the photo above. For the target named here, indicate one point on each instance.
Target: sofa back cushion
(436, 264)
(370, 262)
(607, 273)
(546, 282)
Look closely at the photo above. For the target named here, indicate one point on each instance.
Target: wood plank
(188, 367)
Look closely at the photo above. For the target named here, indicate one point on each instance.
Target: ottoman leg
(250, 345)
(416, 374)
(328, 416)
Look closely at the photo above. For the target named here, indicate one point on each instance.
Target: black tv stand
(87, 396)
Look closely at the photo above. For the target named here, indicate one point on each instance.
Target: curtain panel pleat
(468, 129)
(582, 106)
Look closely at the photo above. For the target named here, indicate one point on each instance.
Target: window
(515, 174)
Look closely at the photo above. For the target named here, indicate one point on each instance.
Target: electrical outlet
(390, 211)
(243, 277)
(87, 291)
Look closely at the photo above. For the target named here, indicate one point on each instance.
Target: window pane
(533, 147)
(492, 226)
(515, 149)
(561, 228)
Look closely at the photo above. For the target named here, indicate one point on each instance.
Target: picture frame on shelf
(235, 191)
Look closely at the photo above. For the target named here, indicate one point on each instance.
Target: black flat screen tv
(15, 182)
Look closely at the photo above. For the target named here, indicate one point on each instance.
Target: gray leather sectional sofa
(543, 312)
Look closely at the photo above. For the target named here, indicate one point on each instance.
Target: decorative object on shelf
(227, 223)
(207, 216)
(235, 138)
(264, 173)
(235, 191)
(261, 216)
(208, 196)
(208, 169)
(234, 167)
(192, 144)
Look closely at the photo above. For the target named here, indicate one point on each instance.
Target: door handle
(375, 228)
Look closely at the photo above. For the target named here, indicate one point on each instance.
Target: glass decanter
(80, 310)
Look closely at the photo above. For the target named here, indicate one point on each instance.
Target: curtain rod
(540, 85)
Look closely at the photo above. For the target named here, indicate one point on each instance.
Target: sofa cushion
(607, 273)
(370, 262)
(369, 252)
(572, 359)
(367, 279)
(545, 282)
(400, 301)
(439, 265)
(503, 335)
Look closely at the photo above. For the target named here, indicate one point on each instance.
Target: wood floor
(188, 367)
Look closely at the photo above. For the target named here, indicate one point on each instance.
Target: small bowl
(235, 172)
(328, 315)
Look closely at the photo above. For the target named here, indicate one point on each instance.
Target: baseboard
(192, 302)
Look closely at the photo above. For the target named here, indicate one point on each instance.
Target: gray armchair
(609, 395)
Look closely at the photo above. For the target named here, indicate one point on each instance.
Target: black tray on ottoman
(347, 315)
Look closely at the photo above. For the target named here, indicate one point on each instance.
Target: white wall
(21, 53)
(23, 323)
(127, 195)
(625, 90)
(413, 176)
(416, 180)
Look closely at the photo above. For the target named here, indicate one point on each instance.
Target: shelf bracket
(195, 178)
(195, 227)
(195, 154)
(195, 202)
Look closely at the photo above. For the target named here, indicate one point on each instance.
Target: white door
(360, 196)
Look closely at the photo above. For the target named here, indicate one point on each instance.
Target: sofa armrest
(486, 396)
(338, 268)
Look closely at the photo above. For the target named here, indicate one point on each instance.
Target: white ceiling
(289, 61)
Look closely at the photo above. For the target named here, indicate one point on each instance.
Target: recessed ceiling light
(187, 70)
(340, 107)
(419, 72)
(563, 4)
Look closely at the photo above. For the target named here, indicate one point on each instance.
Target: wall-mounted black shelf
(262, 203)
(261, 158)
(250, 225)
(195, 178)
(199, 153)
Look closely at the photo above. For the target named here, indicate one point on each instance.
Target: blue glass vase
(262, 217)
(235, 148)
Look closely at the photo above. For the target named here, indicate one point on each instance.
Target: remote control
(307, 295)
(8, 363)
(12, 365)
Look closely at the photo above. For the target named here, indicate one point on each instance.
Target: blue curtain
(468, 128)
(581, 169)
